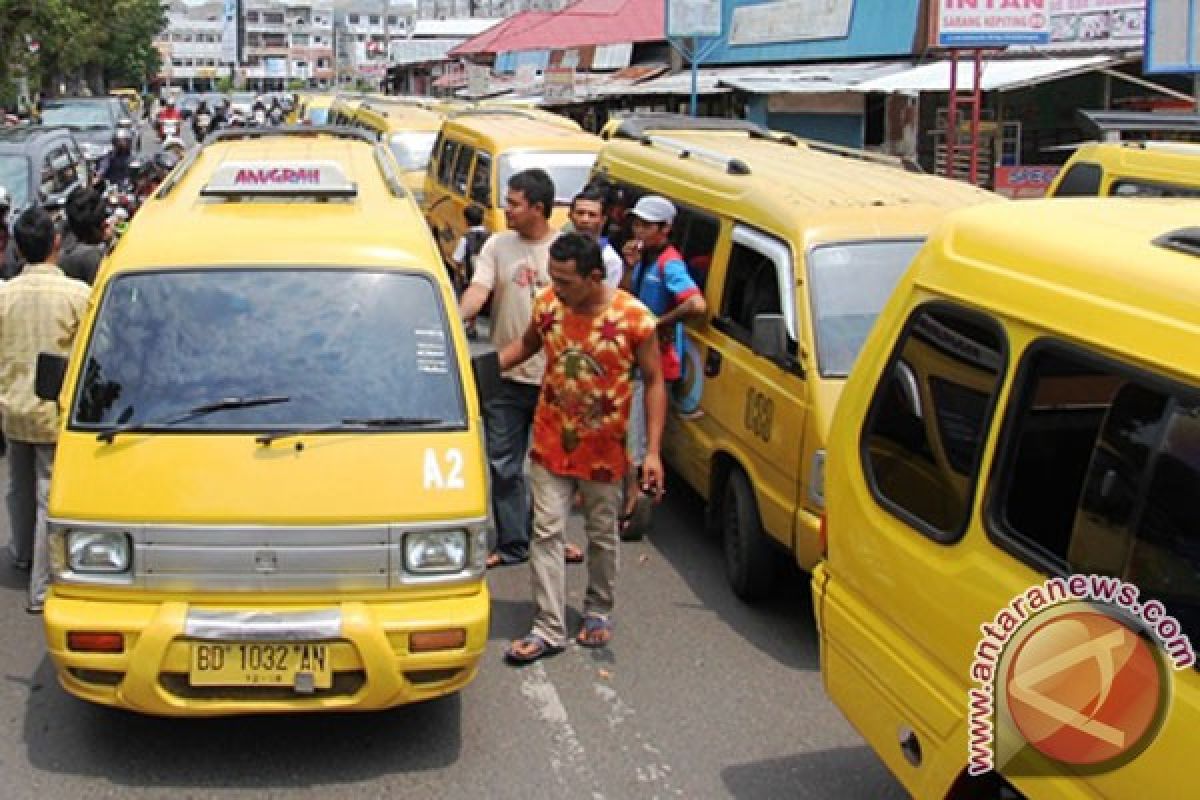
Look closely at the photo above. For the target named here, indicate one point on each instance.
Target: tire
(751, 564)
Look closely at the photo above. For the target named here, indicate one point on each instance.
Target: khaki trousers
(551, 507)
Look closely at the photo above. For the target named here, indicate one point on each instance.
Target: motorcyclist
(203, 121)
(258, 111)
(168, 113)
(114, 168)
(275, 112)
(175, 146)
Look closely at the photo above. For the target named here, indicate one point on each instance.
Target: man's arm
(689, 300)
(694, 306)
(473, 300)
(653, 478)
(520, 350)
(482, 283)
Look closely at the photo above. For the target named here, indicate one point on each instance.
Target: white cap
(5, 198)
(653, 208)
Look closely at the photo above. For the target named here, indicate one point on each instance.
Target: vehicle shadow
(64, 735)
(782, 626)
(841, 772)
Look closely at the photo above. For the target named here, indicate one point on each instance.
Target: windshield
(339, 344)
(413, 150)
(849, 284)
(569, 171)
(14, 176)
(77, 115)
(317, 116)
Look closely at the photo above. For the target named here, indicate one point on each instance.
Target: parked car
(40, 165)
(93, 120)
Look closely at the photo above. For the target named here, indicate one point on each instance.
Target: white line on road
(566, 751)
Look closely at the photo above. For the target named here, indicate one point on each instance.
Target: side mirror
(769, 338)
(49, 375)
(486, 367)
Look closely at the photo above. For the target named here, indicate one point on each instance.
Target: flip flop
(542, 650)
(592, 625)
(635, 524)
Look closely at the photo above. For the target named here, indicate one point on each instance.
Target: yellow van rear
(1012, 587)
(796, 251)
(409, 130)
(270, 493)
(1130, 169)
(480, 148)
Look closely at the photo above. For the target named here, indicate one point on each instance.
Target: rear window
(339, 344)
(849, 284)
(1132, 187)
(413, 150)
(569, 171)
(14, 176)
(317, 116)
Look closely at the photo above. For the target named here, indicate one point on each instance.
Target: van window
(446, 162)
(695, 235)
(1101, 476)
(1081, 180)
(751, 288)
(412, 149)
(167, 342)
(481, 180)
(1130, 187)
(929, 418)
(462, 168)
(848, 286)
(569, 171)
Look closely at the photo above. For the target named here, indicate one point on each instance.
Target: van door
(443, 212)
(753, 409)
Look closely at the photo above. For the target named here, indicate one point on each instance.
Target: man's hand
(653, 480)
(631, 252)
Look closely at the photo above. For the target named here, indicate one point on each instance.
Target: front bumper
(372, 666)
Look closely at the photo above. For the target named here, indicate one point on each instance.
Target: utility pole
(387, 42)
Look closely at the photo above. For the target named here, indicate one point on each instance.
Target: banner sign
(1097, 23)
(791, 21)
(1172, 36)
(1027, 181)
(992, 23)
(693, 18)
(229, 33)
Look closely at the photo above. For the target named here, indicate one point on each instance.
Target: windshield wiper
(224, 404)
(352, 423)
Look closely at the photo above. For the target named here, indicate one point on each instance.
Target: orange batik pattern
(583, 411)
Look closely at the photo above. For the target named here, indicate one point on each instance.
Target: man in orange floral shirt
(593, 336)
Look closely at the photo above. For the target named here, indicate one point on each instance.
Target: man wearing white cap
(659, 278)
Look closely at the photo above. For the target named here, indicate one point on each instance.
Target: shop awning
(998, 75)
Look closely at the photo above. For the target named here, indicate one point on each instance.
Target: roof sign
(279, 179)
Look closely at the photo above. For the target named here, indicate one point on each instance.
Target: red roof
(583, 24)
(485, 42)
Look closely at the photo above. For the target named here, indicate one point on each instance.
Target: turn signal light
(426, 641)
(86, 642)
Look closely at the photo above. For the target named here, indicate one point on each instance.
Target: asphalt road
(697, 696)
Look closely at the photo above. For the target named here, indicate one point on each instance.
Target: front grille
(345, 684)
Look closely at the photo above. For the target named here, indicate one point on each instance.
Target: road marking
(568, 759)
(651, 770)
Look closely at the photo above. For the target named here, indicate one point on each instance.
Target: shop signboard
(478, 78)
(693, 18)
(791, 21)
(1172, 36)
(559, 84)
(1079, 24)
(992, 23)
(1024, 181)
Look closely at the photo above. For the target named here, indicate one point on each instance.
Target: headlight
(435, 552)
(816, 479)
(104, 552)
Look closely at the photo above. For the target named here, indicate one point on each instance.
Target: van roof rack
(237, 134)
(733, 166)
(638, 126)
(476, 111)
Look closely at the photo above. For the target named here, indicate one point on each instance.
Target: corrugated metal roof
(420, 51)
(456, 28)
(486, 42)
(807, 78)
(998, 75)
(585, 24)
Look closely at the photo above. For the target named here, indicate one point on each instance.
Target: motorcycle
(168, 127)
(122, 201)
(201, 125)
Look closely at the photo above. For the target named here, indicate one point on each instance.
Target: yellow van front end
(272, 588)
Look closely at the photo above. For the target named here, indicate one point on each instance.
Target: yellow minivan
(269, 492)
(409, 130)
(312, 109)
(1012, 583)
(796, 251)
(479, 149)
(1130, 169)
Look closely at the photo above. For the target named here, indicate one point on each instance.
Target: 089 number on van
(759, 414)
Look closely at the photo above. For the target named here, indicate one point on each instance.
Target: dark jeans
(508, 419)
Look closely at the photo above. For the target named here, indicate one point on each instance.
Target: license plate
(260, 664)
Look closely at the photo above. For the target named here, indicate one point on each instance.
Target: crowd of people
(586, 339)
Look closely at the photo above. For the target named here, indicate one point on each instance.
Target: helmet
(123, 136)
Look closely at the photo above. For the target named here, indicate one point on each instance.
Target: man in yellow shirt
(40, 311)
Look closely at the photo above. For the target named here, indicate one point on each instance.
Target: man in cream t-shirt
(511, 269)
